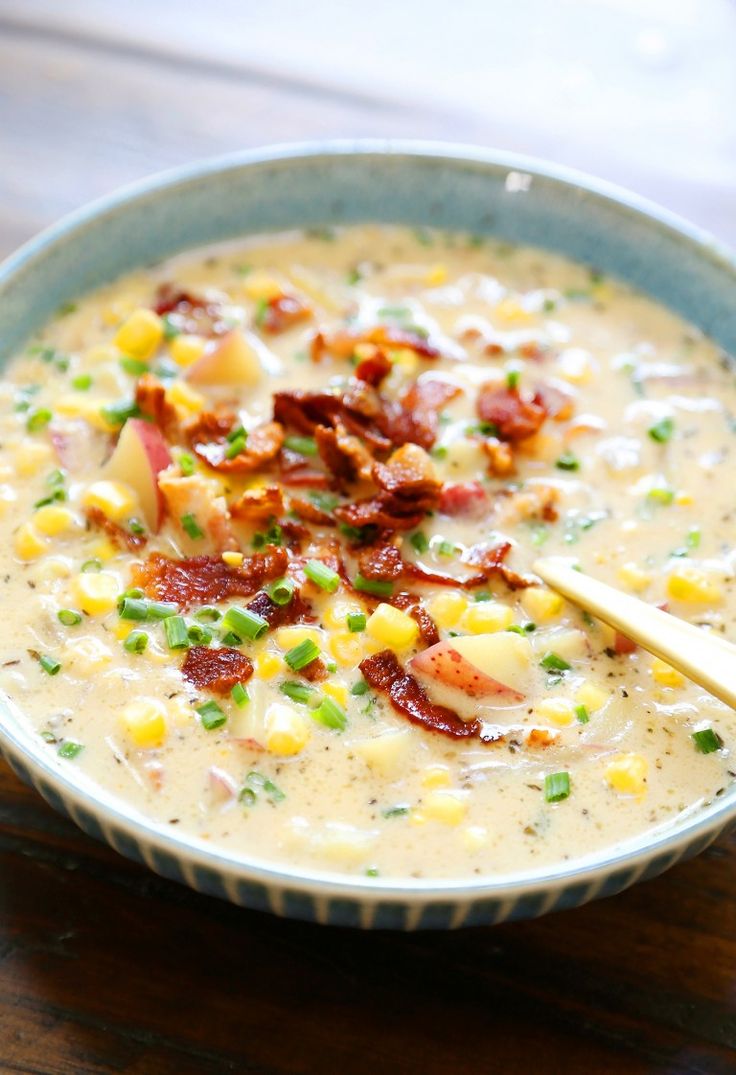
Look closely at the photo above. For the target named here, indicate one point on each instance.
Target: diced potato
(393, 627)
(486, 616)
(144, 722)
(447, 807)
(592, 697)
(541, 604)
(570, 644)
(387, 753)
(627, 774)
(287, 731)
(474, 837)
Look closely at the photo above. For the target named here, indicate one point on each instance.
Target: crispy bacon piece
(378, 511)
(170, 298)
(409, 602)
(536, 501)
(409, 476)
(308, 511)
(558, 403)
(297, 611)
(342, 344)
(514, 416)
(150, 395)
(258, 505)
(417, 418)
(344, 455)
(207, 435)
(491, 565)
(216, 670)
(315, 671)
(203, 580)
(463, 498)
(381, 562)
(282, 312)
(304, 410)
(540, 737)
(190, 313)
(500, 455)
(124, 539)
(373, 369)
(383, 672)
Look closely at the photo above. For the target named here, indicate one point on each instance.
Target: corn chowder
(269, 515)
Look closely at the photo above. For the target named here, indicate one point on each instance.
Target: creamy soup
(269, 515)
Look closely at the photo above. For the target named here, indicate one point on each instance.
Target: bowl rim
(670, 839)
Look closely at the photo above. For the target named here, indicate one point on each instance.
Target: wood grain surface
(105, 967)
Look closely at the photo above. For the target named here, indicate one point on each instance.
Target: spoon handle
(708, 660)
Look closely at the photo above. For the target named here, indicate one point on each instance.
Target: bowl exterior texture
(449, 187)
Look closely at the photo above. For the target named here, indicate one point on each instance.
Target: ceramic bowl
(453, 187)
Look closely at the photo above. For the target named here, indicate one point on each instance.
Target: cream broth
(609, 441)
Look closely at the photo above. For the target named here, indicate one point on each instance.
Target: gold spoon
(704, 658)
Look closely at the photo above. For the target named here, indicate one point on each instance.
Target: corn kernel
(287, 731)
(404, 359)
(474, 837)
(234, 559)
(689, 583)
(186, 349)
(447, 608)
(336, 690)
(267, 665)
(486, 616)
(555, 710)
(592, 697)
(683, 500)
(575, 365)
(29, 544)
(288, 637)
(392, 627)
(115, 499)
(261, 285)
(123, 629)
(85, 656)
(336, 613)
(665, 674)
(347, 648)
(52, 520)
(30, 457)
(447, 807)
(436, 776)
(144, 721)
(52, 568)
(140, 334)
(510, 312)
(90, 409)
(627, 774)
(541, 605)
(436, 276)
(634, 577)
(185, 398)
(102, 549)
(96, 592)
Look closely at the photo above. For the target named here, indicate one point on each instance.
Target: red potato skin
(158, 455)
(443, 663)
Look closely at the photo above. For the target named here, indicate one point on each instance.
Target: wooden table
(103, 966)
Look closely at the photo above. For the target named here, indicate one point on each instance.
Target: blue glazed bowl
(453, 187)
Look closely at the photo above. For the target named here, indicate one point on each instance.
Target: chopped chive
(170, 329)
(245, 623)
(354, 276)
(160, 610)
(326, 502)
(198, 634)
(396, 811)
(136, 526)
(56, 477)
(134, 366)
(556, 787)
(281, 591)
(379, 587)
(661, 495)
(662, 431)
(82, 382)
(300, 656)
(136, 642)
(372, 871)
(329, 713)
(707, 741)
(256, 782)
(692, 539)
(186, 464)
(356, 621)
(235, 433)
(69, 749)
(301, 445)
(239, 695)
(359, 687)
(38, 419)
(440, 452)
(322, 575)
(231, 639)
(482, 595)
(512, 379)
(298, 692)
(446, 548)
(49, 664)
(567, 461)
(208, 614)
(117, 414)
(133, 608)
(236, 446)
(419, 541)
(91, 565)
(69, 617)
(273, 536)
(552, 662)
(177, 635)
(581, 712)
(212, 716)
(191, 526)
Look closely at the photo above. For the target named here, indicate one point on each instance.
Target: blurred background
(94, 93)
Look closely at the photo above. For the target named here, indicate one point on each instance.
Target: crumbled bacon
(315, 671)
(170, 298)
(409, 476)
(190, 313)
(540, 737)
(304, 410)
(373, 369)
(203, 580)
(383, 672)
(515, 416)
(258, 505)
(557, 402)
(417, 418)
(200, 497)
(379, 511)
(216, 670)
(490, 563)
(124, 539)
(463, 498)
(538, 501)
(308, 511)
(296, 611)
(282, 312)
(501, 457)
(150, 396)
(344, 455)
(342, 344)
(381, 562)
(409, 602)
(207, 435)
